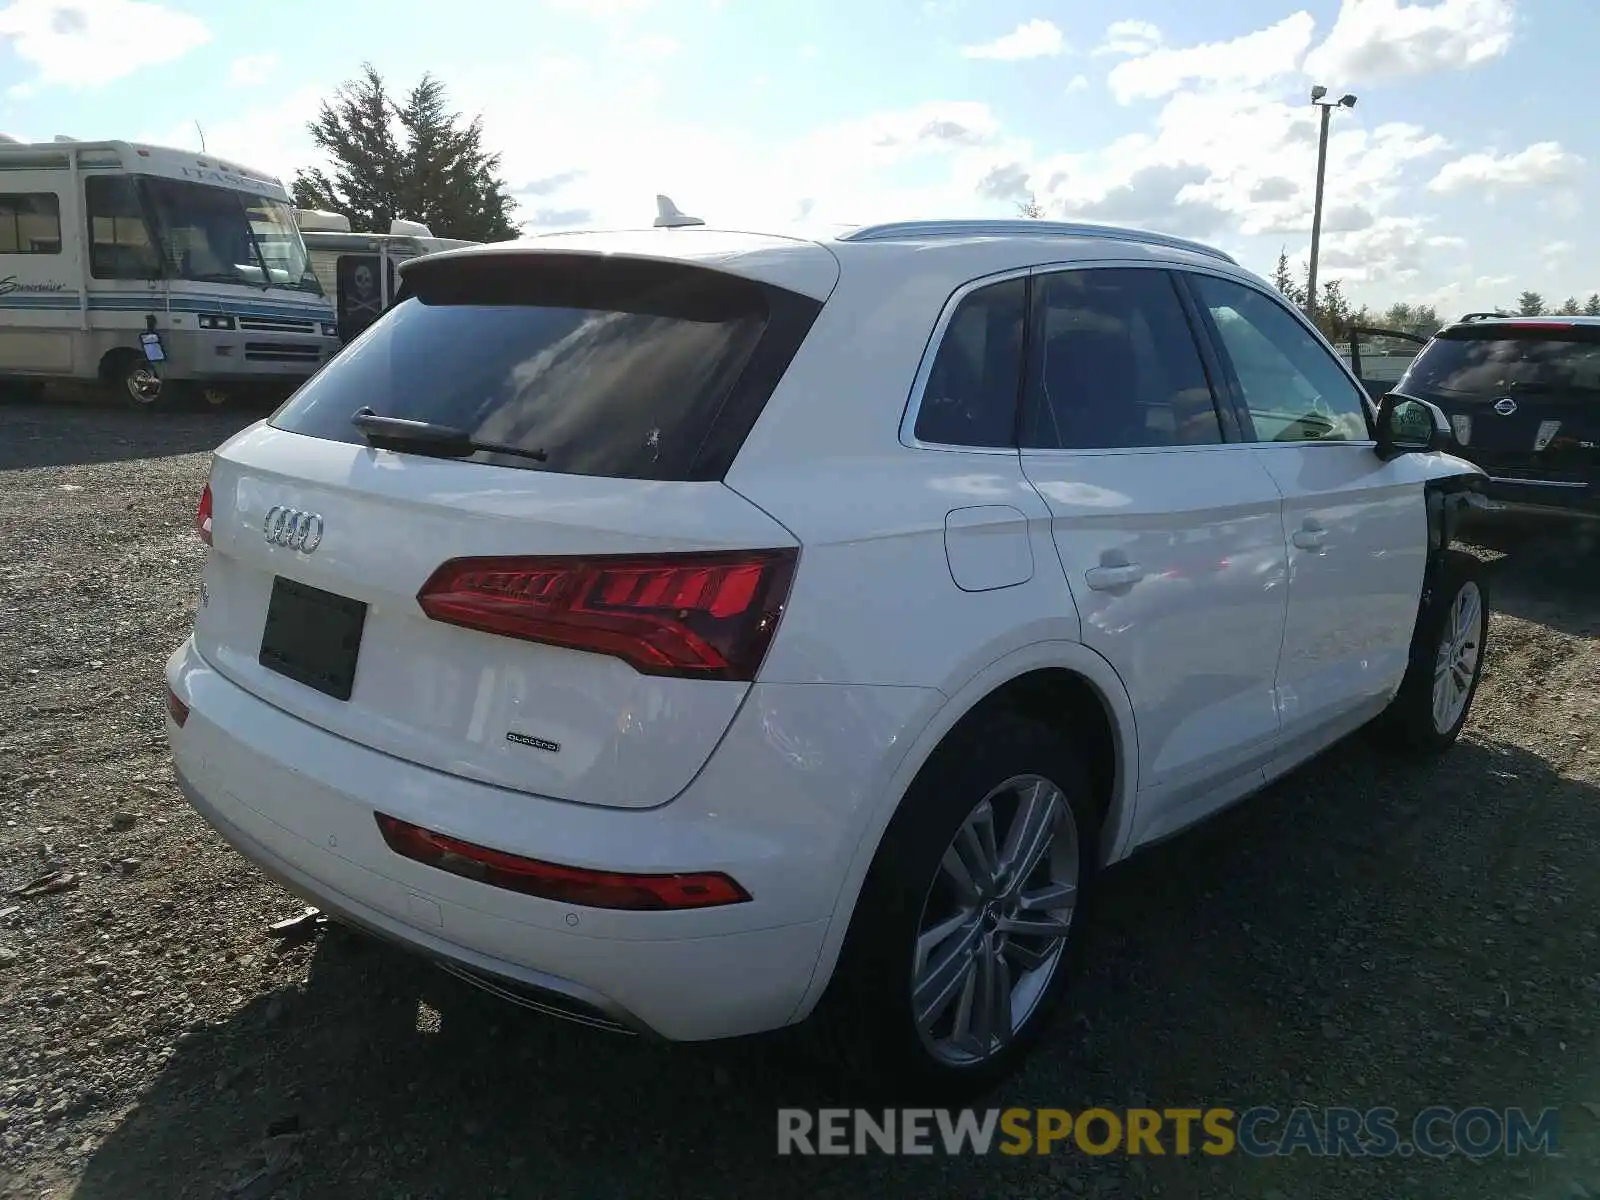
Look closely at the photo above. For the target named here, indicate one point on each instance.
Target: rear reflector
(176, 709)
(202, 518)
(569, 885)
(700, 615)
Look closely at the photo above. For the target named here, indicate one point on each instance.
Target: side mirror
(1407, 425)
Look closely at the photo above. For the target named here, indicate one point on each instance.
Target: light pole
(1319, 97)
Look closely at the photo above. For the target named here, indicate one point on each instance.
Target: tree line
(1335, 315)
(407, 157)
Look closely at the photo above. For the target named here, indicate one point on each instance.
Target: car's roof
(808, 259)
(1546, 321)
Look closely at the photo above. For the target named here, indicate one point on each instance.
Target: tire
(868, 1015)
(137, 383)
(1457, 591)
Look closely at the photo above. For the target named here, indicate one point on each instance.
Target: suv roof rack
(1482, 316)
(895, 231)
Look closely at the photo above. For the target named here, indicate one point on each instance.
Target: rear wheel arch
(1063, 684)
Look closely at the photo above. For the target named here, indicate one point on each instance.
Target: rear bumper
(532, 989)
(299, 802)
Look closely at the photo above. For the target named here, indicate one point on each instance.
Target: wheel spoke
(955, 870)
(977, 843)
(1040, 925)
(1048, 898)
(943, 975)
(991, 1012)
(1028, 957)
(1029, 836)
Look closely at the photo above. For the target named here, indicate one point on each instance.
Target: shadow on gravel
(68, 434)
(1335, 941)
(1551, 572)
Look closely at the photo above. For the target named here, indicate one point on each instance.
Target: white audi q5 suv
(698, 632)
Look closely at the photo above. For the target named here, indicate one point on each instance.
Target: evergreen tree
(1569, 307)
(1530, 304)
(1284, 282)
(1591, 307)
(411, 159)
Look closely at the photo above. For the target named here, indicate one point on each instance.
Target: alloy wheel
(1456, 664)
(995, 921)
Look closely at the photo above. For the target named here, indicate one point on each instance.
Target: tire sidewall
(1444, 602)
(1410, 719)
(872, 987)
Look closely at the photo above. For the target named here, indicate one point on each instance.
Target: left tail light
(202, 516)
(705, 615)
(176, 708)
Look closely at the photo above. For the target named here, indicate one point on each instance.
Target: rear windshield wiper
(424, 437)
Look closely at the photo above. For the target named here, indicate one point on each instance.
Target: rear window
(617, 367)
(1484, 360)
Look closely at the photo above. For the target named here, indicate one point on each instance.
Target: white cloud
(1248, 61)
(269, 138)
(82, 44)
(1540, 165)
(1130, 37)
(1031, 39)
(1078, 83)
(1382, 41)
(252, 70)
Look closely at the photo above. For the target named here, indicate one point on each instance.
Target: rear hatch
(577, 613)
(1523, 396)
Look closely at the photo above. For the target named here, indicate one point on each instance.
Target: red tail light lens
(202, 518)
(702, 616)
(176, 709)
(569, 885)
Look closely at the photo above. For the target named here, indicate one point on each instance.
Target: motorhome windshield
(217, 235)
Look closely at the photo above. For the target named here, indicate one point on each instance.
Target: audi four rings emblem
(293, 529)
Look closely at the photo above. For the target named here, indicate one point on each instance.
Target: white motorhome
(358, 269)
(158, 272)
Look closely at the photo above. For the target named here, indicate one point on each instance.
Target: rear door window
(617, 367)
(972, 390)
(1115, 365)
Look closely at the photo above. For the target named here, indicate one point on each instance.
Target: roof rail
(1482, 316)
(1023, 227)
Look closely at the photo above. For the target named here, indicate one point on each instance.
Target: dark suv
(1523, 397)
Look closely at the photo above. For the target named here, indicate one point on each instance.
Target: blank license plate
(313, 637)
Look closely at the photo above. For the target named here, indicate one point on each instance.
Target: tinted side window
(30, 223)
(119, 240)
(1114, 365)
(971, 395)
(1292, 385)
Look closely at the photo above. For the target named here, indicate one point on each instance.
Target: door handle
(1310, 535)
(1105, 579)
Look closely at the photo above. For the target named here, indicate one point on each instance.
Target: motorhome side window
(120, 246)
(30, 223)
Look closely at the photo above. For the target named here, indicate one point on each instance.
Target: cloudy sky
(1465, 173)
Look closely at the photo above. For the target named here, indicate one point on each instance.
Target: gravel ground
(1365, 933)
